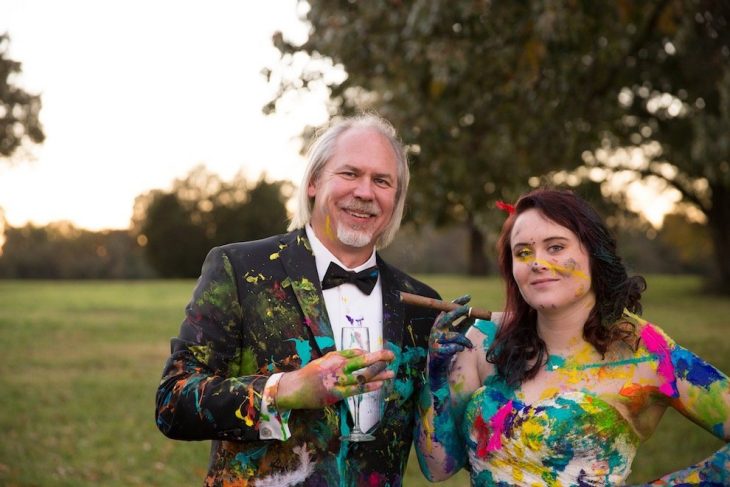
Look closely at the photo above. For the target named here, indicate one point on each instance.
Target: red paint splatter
(483, 432)
(510, 209)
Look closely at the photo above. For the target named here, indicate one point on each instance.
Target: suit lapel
(393, 329)
(298, 261)
(392, 306)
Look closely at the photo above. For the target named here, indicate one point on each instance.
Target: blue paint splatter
(304, 350)
(693, 369)
(246, 457)
(324, 342)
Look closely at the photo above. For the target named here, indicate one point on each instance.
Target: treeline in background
(172, 231)
(492, 99)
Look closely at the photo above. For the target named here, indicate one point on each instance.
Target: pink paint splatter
(657, 344)
(498, 422)
(376, 479)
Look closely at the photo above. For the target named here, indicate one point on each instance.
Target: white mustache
(358, 206)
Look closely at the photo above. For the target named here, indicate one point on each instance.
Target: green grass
(81, 362)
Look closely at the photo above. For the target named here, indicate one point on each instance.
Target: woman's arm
(700, 392)
(452, 376)
(714, 470)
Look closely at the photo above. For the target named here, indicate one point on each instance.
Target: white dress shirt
(346, 306)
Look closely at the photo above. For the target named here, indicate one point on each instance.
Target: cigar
(432, 303)
(373, 369)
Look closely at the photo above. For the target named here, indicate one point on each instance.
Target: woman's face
(550, 265)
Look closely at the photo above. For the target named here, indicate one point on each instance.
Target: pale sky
(137, 92)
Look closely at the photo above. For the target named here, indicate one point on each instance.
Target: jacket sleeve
(209, 389)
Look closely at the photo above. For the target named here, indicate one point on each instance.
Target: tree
(19, 110)
(675, 96)
(492, 95)
(180, 226)
(59, 250)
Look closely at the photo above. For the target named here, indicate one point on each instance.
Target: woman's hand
(444, 342)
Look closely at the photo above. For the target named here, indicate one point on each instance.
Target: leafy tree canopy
(495, 97)
(179, 227)
(19, 110)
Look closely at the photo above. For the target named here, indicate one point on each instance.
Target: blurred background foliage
(19, 110)
(497, 97)
(492, 99)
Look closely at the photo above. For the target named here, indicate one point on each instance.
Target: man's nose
(364, 189)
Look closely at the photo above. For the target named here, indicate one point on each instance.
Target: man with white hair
(258, 366)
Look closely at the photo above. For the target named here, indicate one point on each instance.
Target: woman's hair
(322, 150)
(518, 352)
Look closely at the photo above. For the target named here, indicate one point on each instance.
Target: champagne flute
(356, 337)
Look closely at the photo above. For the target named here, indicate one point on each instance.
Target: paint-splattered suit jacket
(258, 309)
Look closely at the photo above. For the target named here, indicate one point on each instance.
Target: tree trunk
(718, 220)
(478, 265)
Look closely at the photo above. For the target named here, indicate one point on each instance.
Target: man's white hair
(322, 150)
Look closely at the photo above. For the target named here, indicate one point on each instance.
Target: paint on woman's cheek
(569, 268)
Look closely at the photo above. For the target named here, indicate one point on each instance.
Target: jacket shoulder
(409, 283)
(256, 249)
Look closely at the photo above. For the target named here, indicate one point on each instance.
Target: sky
(136, 93)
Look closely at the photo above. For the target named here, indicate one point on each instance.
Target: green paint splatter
(244, 363)
(202, 353)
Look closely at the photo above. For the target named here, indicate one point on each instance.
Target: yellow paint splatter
(563, 270)
(410, 331)
(328, 228)
(550, 392)
(693, 479)
(534, 435)
(254, 279)
(428, 428)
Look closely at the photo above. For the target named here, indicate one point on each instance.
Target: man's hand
(331, 378)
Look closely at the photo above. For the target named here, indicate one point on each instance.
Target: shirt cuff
(274, 424)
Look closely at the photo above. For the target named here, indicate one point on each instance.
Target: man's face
(354, 196)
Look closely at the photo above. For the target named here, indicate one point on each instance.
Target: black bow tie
(364, 280)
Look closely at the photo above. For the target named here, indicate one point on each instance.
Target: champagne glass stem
(356, 419)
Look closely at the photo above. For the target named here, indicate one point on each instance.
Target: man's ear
(312, 188)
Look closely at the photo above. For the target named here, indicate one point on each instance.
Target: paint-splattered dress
(585, 430)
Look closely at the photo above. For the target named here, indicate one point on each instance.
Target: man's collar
(323, 257)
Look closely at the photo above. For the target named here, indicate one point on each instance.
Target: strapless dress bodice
(571, 439)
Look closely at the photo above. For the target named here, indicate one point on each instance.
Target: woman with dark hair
(564, 390)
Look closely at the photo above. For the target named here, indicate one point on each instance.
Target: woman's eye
(523, 253)
(555, 248)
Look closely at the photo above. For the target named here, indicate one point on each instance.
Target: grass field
(81, 362)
